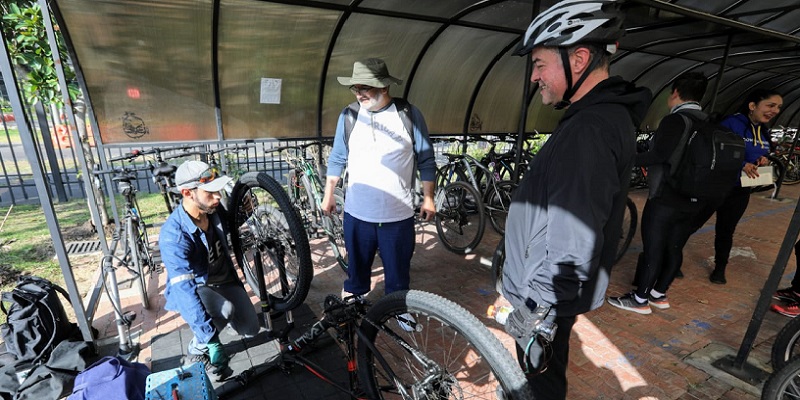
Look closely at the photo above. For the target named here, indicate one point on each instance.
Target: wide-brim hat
(189, 173)
(370, 72)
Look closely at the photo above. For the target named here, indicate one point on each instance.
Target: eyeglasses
(205, 177)
(360, 90)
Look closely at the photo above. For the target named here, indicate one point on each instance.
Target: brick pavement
(615, 354)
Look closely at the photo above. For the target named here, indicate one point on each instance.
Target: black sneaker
(718, 277)
(628, 302)
(219, 374)
(788, 295)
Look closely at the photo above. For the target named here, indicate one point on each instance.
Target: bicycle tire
(497, 203)
(629, 221)
(449, 173)
(265, 228)
(463, 359)
(787, 344)
(498, 260)
(133, 246)
(334, 229)
(792, 174)
(460, 220)
(784, 383)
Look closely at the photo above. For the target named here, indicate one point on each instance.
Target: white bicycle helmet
(574, 21)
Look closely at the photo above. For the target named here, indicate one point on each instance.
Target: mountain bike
(269, 242)
(306, 190)
(408, 345)
(131, 232)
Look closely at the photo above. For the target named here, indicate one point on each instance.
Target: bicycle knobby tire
(784, 383)
(460, 220)
(787, 344)
(451, 339)
(263, 222)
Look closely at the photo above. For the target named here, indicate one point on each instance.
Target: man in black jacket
(667, 215)
(565, 218)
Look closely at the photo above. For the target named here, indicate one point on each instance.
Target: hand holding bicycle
(533, 331)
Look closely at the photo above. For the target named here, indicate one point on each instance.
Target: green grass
(13, 135)
(26, 246)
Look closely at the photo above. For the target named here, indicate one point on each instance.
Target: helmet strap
(565, 102)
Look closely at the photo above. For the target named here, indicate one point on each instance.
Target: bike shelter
(454, 57)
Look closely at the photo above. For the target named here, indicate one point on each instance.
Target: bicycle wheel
(792, 174)
(138, 258)
(629, 220)
(498, 259)
(334, 229)
(787, 344)
(460, 220)
(443, 352)
(784, 383)
(449, 173)
(267, 233)
(497, 204)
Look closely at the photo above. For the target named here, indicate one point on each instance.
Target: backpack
(35, 321)
(113, 378)
(708, 160)
(403, 109)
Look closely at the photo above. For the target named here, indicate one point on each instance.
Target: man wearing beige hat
(383, 142)
(202, 284)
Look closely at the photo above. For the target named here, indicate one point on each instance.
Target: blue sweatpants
(362, 239)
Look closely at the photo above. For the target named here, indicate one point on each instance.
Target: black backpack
(35, 321)
(708, 160)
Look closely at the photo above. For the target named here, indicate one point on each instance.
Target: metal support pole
(738, 367)
(722, 67)
(779, 183)
(25, 133)
(523, 115)
(58, 183)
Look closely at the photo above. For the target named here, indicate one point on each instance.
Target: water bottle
(500, 314)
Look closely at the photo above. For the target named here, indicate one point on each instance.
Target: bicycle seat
(164, 170)
(124, 177)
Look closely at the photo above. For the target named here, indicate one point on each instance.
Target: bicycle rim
(266, 228)
(498, 203)
(787, 344)
(784, 383)
(445, 354)
(498, 260)
(334, 229)
(134, 246)
(629, 221)
(460, 220)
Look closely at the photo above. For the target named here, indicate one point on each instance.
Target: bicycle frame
(466, 162)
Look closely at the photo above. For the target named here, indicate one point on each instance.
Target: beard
(373, 103)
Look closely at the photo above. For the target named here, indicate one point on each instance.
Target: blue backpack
(111, 378)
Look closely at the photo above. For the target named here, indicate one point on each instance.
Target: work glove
(216, 354)
(533, 330)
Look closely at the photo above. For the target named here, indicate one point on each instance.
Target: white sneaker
(408, 323)
(346, 294)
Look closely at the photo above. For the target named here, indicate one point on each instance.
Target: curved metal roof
(249, 69)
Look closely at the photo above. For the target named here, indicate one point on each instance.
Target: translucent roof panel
(270, 87)
(148, 68)
(397, 41)
(166, 70)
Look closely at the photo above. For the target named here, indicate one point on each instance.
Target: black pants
(552, 383)
(665, 230)
(729, 212)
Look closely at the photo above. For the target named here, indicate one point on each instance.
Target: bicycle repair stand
(337, 313)
(127, 350)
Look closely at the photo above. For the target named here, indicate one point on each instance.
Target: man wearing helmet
(566, 216)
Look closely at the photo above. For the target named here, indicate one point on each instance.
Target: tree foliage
(26, 39)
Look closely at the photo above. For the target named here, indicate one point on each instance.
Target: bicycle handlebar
(120, 170)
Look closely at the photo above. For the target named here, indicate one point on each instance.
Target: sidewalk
(614, 354)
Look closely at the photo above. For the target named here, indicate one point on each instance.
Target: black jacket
(565, 219)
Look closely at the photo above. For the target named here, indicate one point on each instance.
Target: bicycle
(784, 383)
(494, 197)
(162, 173)
(306, 190)
(131, 232)
(629, 222)
(410, 345)
(269, 242)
